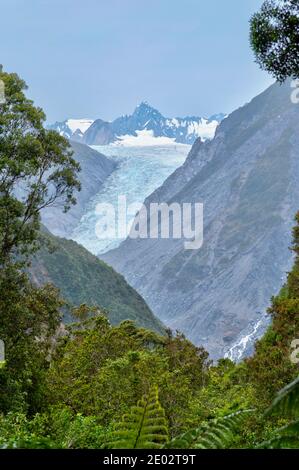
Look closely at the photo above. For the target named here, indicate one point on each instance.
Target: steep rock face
(99, 133)
(83, 278)
(95, 168)
(248, 180)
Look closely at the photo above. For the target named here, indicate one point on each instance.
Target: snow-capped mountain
(146, 126)
(248, 180)
(72, 128)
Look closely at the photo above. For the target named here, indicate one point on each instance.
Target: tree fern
(215, 434)
(287, 404)
(287, 437)
(287, 400)
(144, 427)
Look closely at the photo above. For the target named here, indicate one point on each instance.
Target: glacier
(139, 172)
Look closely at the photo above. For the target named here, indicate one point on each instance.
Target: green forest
(95, 382)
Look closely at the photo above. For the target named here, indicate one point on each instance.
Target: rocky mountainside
(72, 128)
(83, 278)
(247, 177)
(145, 121)
(95, 168)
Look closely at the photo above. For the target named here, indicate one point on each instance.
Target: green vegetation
(144, 427)
(275, 38)
(101, 370)
(214, 434)
(77, 386)
(83, 278)
(97, 372)
(36, 171)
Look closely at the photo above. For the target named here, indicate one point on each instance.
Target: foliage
(287, 400)
(83, 278)
(16, 431)
(102, 370)
(270, 368)
(214, 434)
(287, 404)
(57, 428)
(274, 38)
(144, 427)
(28, 321)
(36, 171)
(76, 386)
(227, 391)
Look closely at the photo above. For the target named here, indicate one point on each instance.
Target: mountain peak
(144, 118)
(144, 104)
(144, 112)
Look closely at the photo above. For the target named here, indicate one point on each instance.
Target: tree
(29, 319)
(102, 370)
(271, 368)
(213, 434)
(144, 427)
(274, 36)
(287, 404)
(36, 171)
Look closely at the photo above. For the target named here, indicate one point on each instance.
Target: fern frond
(287, 400)
(281, 442)
(215, 434)
(144, 427)
(287, 437)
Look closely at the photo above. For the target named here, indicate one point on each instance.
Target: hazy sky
(100, 58)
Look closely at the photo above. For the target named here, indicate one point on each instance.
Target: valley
(149, 256)
(139, 171)
(247, 179)
(216, 295)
